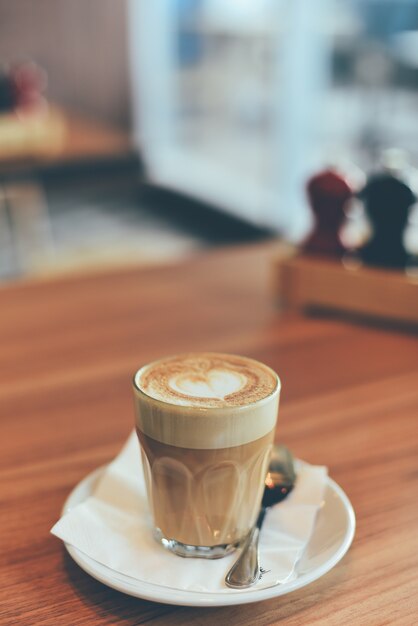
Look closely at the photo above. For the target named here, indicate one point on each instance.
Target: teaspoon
(279, 483)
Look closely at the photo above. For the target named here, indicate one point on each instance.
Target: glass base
(199, 552)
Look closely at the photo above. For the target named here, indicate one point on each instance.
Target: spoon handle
(246, 569)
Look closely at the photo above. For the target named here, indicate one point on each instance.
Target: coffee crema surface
(207, 380)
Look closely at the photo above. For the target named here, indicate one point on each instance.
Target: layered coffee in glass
(206, 425)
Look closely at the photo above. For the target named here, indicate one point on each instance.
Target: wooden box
(308, 282)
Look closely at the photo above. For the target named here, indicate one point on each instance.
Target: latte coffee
(206, 425)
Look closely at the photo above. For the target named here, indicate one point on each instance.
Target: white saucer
(332, 536)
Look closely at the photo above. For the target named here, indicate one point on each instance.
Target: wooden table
(350, 400)
(79, 142)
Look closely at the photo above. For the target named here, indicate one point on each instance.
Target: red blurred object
(28, 81)
(328, 194)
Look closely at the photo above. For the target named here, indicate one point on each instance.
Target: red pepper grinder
(328, 194)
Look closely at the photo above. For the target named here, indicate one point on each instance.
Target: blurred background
(140, 132)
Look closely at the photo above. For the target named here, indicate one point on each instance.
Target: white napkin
(113, 526)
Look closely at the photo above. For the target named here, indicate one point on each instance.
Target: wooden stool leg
(31, 226)
(8, 257)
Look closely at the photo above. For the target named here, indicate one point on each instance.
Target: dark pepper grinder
(328, 194)
(387, 200)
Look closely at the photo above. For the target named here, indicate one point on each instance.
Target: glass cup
(204, 469)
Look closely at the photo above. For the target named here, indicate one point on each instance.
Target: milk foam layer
(207, 380)
(206, 400)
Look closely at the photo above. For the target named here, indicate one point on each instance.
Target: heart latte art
(207, 380)
(214, 384)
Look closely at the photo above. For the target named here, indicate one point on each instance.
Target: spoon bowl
(280, 477)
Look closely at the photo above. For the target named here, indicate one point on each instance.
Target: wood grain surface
(349, 400)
